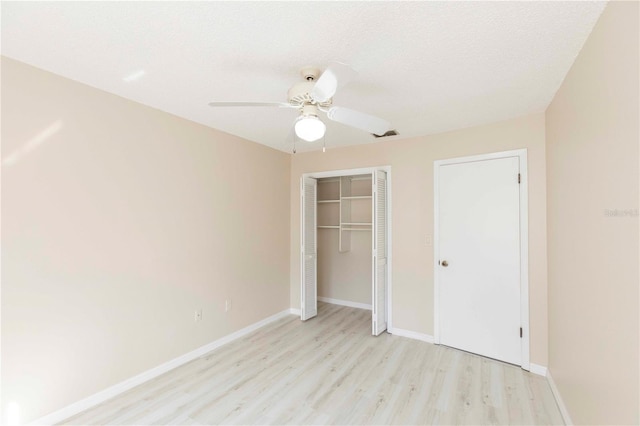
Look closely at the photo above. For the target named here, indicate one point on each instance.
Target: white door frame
(521, 154)
(362, 171)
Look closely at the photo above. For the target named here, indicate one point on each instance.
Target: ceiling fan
(315, 94)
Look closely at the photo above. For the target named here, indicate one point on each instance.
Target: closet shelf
(343, 204)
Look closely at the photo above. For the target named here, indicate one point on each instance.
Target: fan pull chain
(324, 142)
(294, 142)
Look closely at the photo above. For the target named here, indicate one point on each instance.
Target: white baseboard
(412, 335)
(540, 370)
(559, 401)
(295, 311)
(344, 303)
(110, 392)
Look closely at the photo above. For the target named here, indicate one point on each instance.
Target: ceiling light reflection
(134, 76)
(32, 144)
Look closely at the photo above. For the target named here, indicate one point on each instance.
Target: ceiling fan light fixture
(309, 128)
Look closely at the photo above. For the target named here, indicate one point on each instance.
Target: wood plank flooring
(330, 370)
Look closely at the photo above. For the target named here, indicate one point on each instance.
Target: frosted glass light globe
(310, 128)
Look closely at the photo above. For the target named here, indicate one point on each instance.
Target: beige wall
(118, 221)
(412, 203)
(592, 166)
(347, 275)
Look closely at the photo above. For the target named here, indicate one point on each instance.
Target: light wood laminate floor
(330, 370)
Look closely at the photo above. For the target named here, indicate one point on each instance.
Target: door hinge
(518, 177)
(521, 332)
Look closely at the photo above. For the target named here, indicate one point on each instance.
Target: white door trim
(521, 154)
(362, 171)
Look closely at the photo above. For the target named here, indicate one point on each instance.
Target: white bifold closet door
(309, 249)
(379, 293)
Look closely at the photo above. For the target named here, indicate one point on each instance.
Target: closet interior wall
(345, 238)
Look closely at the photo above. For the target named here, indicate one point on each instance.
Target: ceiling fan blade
(359, 120)
(334, 77)
(252, 104)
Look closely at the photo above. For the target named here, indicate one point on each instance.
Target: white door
(309, 262)
(379, 293)
(479, 257)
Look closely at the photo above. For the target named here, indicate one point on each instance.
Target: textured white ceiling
(427, 67)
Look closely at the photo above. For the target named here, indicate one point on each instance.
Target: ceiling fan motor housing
(309, 110)
(300, 94)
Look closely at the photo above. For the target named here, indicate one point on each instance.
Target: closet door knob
(445, 263)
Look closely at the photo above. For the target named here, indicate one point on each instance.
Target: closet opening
(345, 242)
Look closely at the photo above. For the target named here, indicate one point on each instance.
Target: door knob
(445, 263)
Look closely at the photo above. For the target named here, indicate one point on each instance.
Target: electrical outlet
(198, 315)
(227, 305)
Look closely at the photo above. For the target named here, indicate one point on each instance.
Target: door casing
(521, 154)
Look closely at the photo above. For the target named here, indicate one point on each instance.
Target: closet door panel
(379, 296)
(309, 255)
